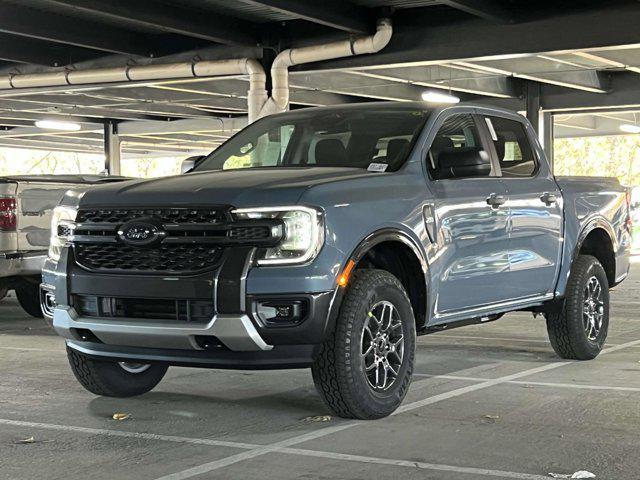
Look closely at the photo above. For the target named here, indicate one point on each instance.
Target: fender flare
(590, 226)
(366, 244)
(386, 235)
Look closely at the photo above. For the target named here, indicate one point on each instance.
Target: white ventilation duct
(257, 95)
(279, 101)
(259, 104)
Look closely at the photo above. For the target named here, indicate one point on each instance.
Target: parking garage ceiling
(483, 50)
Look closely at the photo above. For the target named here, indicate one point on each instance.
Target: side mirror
(188, 163)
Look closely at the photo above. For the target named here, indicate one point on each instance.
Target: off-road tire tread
(331, 372)
(88, 372)
(28, 296)
(566, 338)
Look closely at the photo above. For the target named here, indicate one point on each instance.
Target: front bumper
(235, 336)
(280, 357)
(236, 332)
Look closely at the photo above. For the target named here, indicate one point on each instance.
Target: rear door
(470, 220)
(535, 207)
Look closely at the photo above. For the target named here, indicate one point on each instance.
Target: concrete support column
(111, 148)
(533, 104)
(547, 135)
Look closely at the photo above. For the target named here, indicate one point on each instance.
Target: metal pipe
(257, 94)
(258, 103)
(279, 101)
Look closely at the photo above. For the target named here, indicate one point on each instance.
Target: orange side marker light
(344, 278)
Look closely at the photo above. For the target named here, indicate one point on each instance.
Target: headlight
(62, 227)
(302, 238)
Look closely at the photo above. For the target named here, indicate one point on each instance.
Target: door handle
(548, 198)
(495, 200)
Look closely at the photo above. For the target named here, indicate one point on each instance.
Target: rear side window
(456, 151)
(515, 155)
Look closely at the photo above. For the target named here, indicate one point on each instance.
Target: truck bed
(594, 200)
(36, 196)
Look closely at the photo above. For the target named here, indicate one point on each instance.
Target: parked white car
(26, 205)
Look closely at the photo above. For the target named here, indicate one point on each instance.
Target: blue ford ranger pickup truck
(330, 238)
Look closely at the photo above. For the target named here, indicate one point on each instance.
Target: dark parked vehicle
(329, 238)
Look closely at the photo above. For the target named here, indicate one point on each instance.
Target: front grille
(187, 240)
(164, 259)
(165, 215)
(249, 233)
(197, 311)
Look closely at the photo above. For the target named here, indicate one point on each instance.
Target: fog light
(281, 312)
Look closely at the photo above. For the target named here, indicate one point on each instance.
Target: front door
(470, 250)
(535, 206)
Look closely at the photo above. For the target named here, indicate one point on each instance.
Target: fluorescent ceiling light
(630, 128)
(439, 97)
(57, 125)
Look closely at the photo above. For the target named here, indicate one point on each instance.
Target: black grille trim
(119, 216)
(193, 239)
(166, 259)
(180, 310)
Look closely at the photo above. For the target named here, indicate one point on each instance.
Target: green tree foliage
(611, 156)
(18, 161)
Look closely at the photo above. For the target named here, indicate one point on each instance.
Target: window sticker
(377, 167)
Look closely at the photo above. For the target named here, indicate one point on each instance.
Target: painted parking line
(125, 434)
(501, 339)
(32, 349)
(240, 457)
(412, 464)
(284, 450)
(576, 386)
(475, 337)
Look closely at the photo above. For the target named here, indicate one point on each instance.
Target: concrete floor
(487, 401)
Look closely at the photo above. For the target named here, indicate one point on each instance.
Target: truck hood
(239, 188)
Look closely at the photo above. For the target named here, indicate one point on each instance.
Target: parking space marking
(125, 434)
(474, 337)
(501, 339)
(291, 451)
(275, 447)
(542, 384)
(411, 464)
(479, 386)
(233, 459)
(31, 349)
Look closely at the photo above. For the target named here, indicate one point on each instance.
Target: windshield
(355, 138)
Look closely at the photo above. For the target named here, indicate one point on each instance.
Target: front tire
(28, 295)
(114, 379)
(579, 330)
(364, 369)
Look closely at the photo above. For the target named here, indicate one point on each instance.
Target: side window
(456, 151)
(515, 155)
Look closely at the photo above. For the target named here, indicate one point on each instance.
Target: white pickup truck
(26, 204)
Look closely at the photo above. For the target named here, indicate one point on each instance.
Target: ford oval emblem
(140, 233)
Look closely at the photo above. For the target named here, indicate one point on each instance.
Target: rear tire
(3, 293)
(28, 295)
(364, 369)
(579, 330)
(113, 379)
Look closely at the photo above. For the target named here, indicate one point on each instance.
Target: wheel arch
(597, 238)
(397, 252)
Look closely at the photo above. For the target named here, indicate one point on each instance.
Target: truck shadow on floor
(238, 413)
